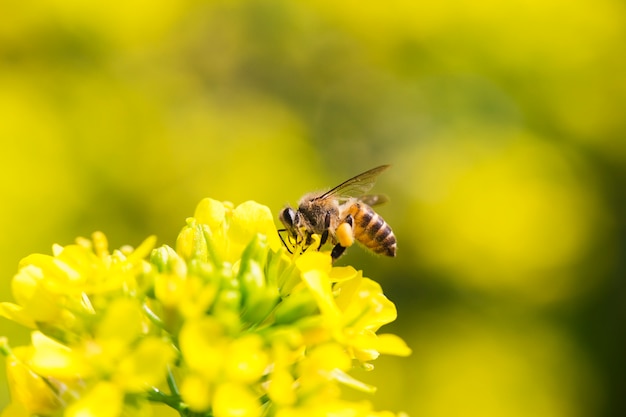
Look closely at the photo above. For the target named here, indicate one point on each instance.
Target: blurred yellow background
(505, 124)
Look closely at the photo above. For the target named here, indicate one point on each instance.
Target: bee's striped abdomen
(371, 230)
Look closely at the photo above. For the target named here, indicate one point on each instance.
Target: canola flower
(226, 324)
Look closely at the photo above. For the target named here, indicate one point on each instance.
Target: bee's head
(290, 218)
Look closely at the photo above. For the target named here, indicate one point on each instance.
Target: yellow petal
(198, 297)
(170, 289)
(143, 250)
(195, 392)
(56, 272)
(392, 344)
(145, 366)
(100, 244)
(29, 389)
(367, 308)
(16, 409)
(281, 388)
(250, 218)
(384, 309)
(54, 359)
(323, 359)
(345, 293)
(202, 346)
(314, 261)
(192, 242)
(319, 284)
(348, 380)
(342, 273)
(122, 322)
(232, 400)
(246, 360)
(17, 314)
(30, 292)
(211, 212)
(104, 400)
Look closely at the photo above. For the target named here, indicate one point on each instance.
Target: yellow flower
(232, 228)
(144, 366)
(364, 310)
(31, 393)
(227, 324)
(51, 291)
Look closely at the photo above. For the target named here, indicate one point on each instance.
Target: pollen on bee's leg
(345, 235)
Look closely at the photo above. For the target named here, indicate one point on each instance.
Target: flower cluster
(227, 324)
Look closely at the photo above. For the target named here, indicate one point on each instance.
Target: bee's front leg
(307, 240)
(280, 235)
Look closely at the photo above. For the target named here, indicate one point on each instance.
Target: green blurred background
(505, 124)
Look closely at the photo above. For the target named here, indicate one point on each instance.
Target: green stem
(154, 318)
(175, 402)
(171, 382)
(157, 396)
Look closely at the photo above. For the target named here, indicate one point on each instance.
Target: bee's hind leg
(337, 251)
(345, 237)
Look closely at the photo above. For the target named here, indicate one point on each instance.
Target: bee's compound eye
(288, 217)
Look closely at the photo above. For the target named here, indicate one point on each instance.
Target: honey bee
(341, 215)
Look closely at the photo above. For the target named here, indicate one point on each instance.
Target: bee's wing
(374, 199)
(355, 186)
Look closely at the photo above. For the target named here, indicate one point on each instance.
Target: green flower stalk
(227, 324)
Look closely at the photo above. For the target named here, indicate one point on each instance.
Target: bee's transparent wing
(374, 199)
(355, 186)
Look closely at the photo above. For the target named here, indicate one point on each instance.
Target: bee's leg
(344, 236)
(324, 236)
(305, 242)
(337, 251)
(280, 232)
(323, 239)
